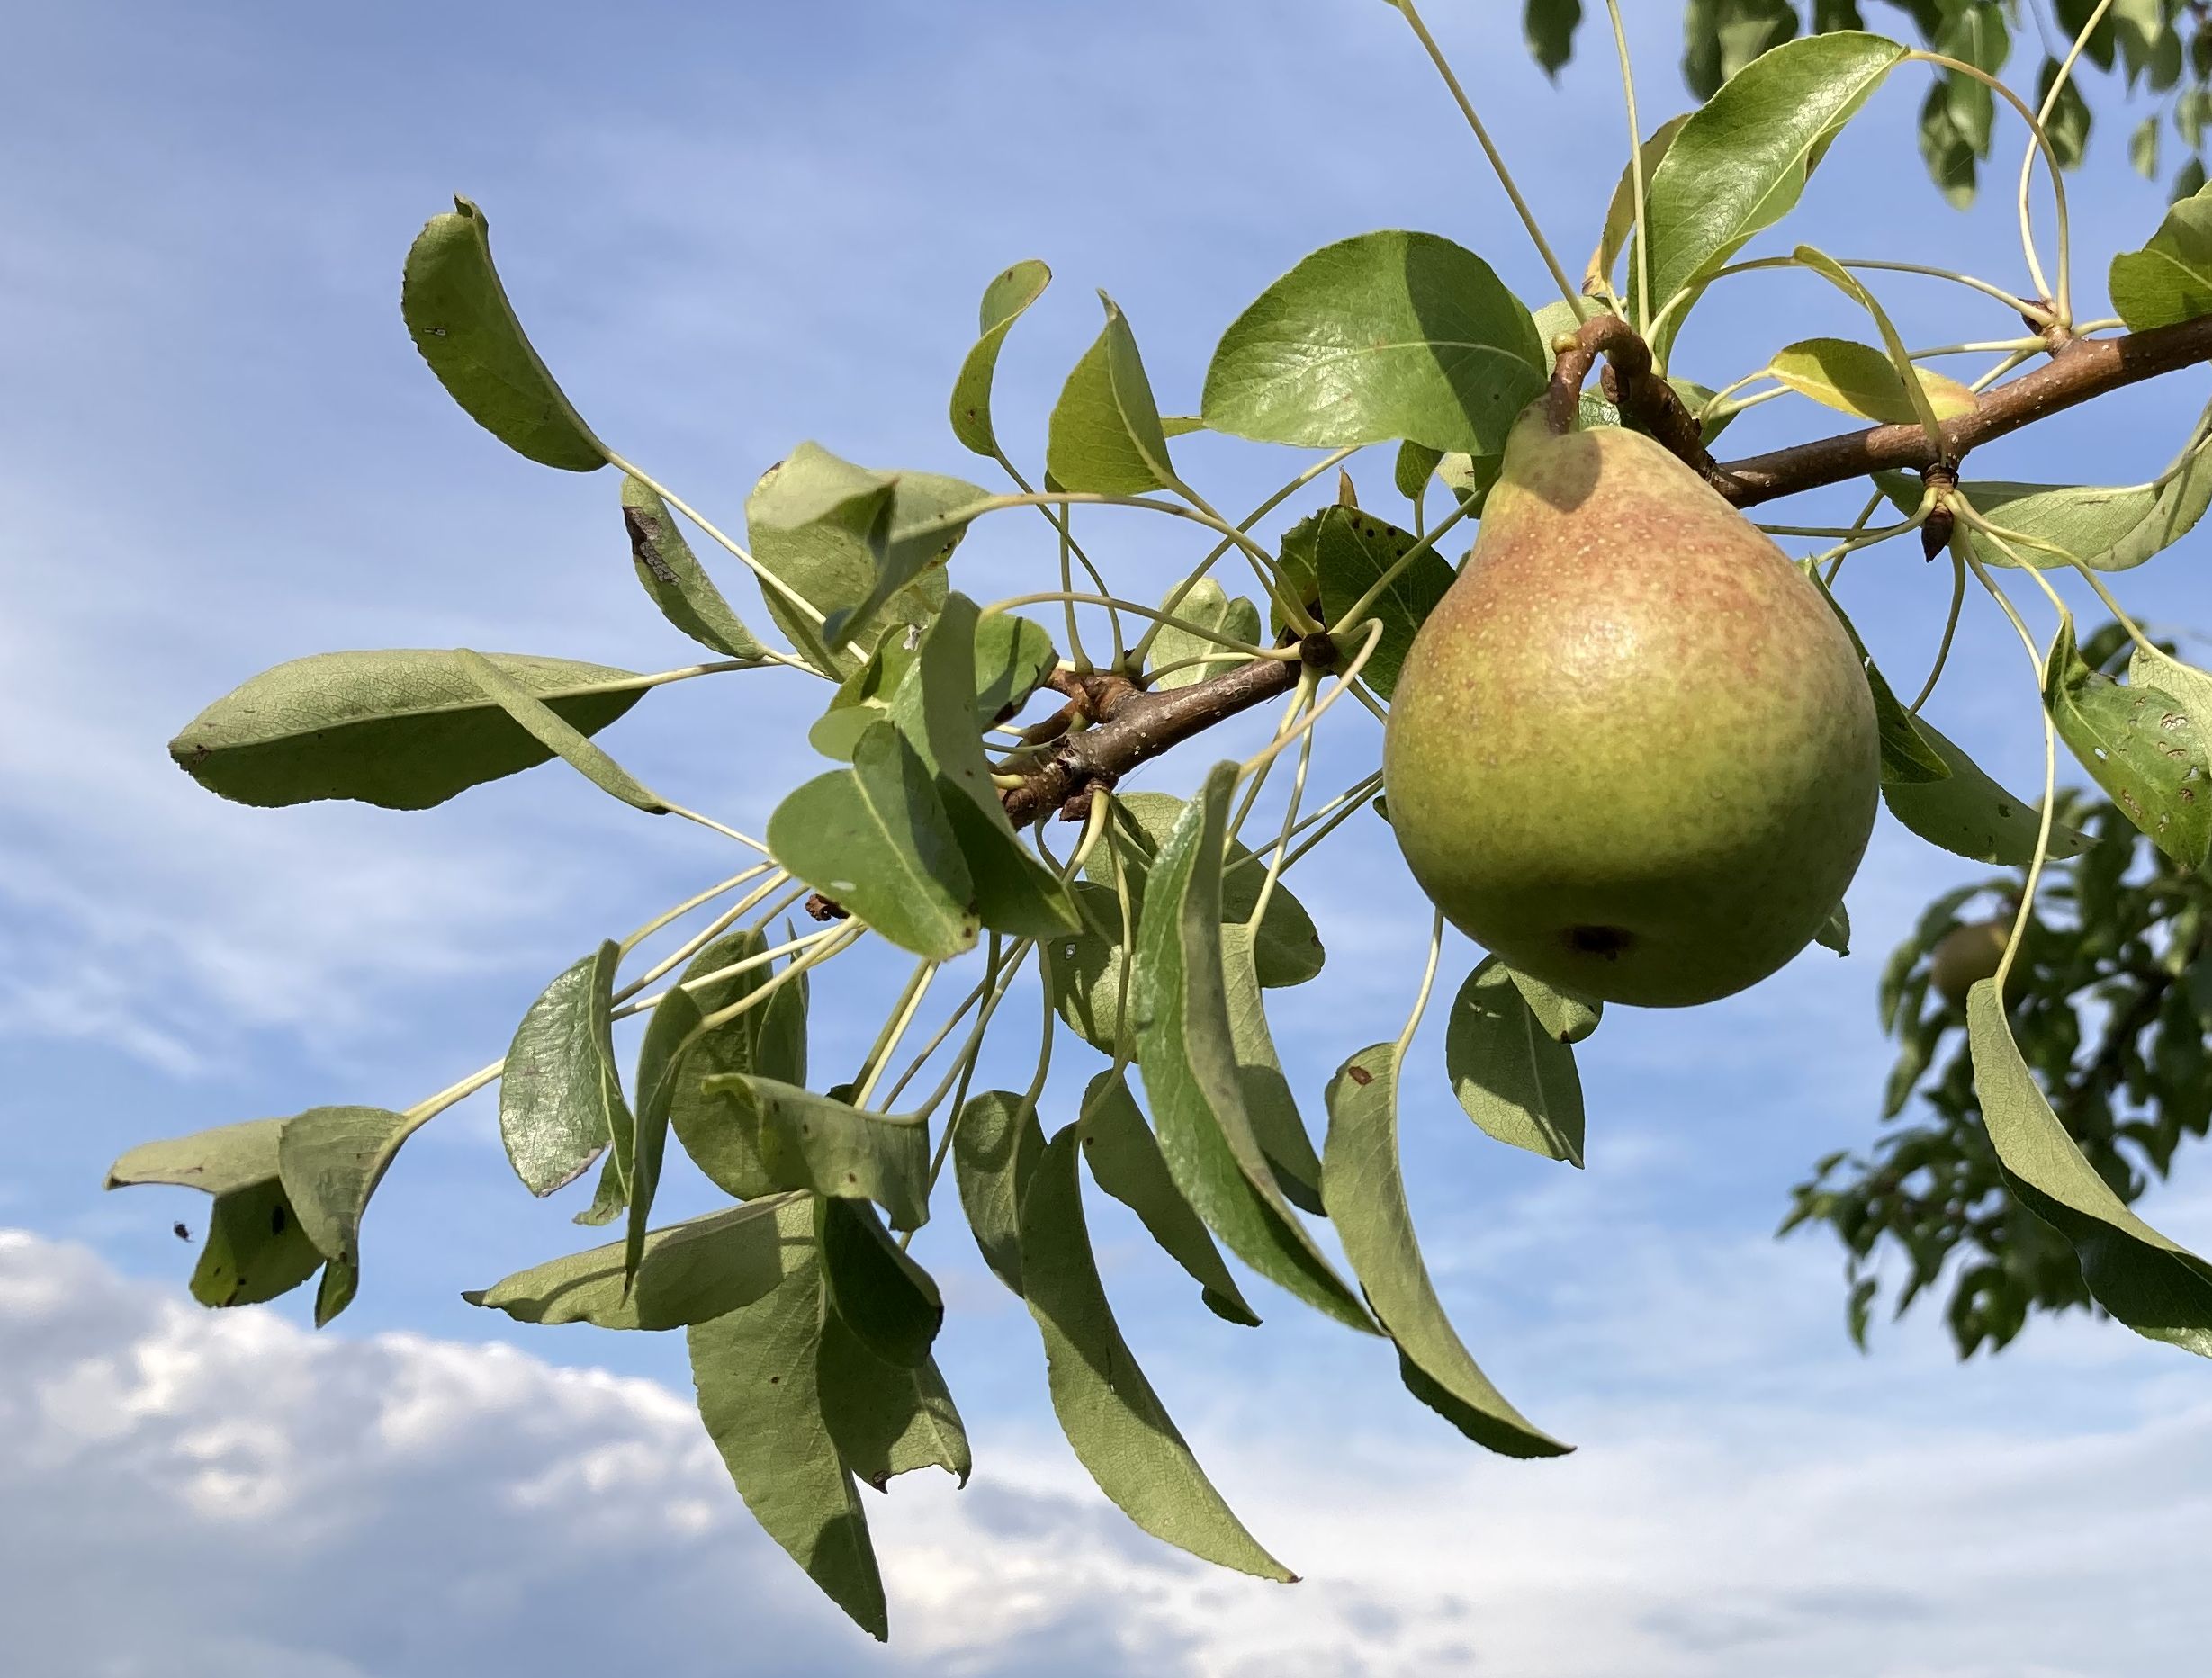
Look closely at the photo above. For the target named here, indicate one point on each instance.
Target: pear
(1633, 751)
(1966, 955)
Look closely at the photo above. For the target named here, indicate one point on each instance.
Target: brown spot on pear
(1965, 956)
(1632, 752)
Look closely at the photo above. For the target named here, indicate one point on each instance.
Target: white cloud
(189, 1493)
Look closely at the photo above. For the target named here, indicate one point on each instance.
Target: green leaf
(1970, 814)
(458, 315)
(551, 731)
(1721, 37)
(2188, 181)
(1013, 656)
(560, 1097)
(2067, 127)
(1858, 379)
(801, 1140)
(769, 1040)
(663, 1064)
(1352, 550)
(1973, 33)
(934, 708)
(2107, 529)
(1949, 154)
(1366, 1192)
(1386, 337)
(887, 1421)
(1268, 1102)
(2170, 279)
(1514, 1079)
(2140, 745)
(217, 1161)
(1286, 946)
(672, 575)
(404, 729)
(875, 839)
(1906, 755)
(330, 1160)
(1210, 607)
(1564, 1016)
(1739, 164)
(995, 1142)
(885, 1299)
(1004, 301)
(1125, 1162)
(761, 1397)
(1105, 433)
(1084, 971)
(2142, 148)
(256, 1249)
(1549, 26)
(1835, 933)
(1614, 237)
(609, 1199)
(1112, 1418)
(855, 542)
(1416, 465)
(1179, 1007)
(690, 1272)
(2157, 1288)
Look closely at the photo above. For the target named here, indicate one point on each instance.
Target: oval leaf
(330, 1160)
(1386, 337)
(995, 1143)
(1210, 607)
(884, 1420)
(2170, 279)
(672, 575)
(1366, 1190)
(560, 1096)
(1969, 815)
(1858, 379)
(1565, 1016)
(889, 1302)
(1351, 550)
(1515, 1080)
(2140, 744)
(1105, 433)
(807, 1141)
(1118, 1427)
(403, 728)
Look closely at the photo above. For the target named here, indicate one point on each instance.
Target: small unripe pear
(1966, 955)
(1632, 752)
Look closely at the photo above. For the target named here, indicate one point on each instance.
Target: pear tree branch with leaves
(955, 734)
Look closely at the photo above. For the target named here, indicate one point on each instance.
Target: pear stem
(1641, 394)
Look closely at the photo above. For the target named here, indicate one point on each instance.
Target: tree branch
(2084, 368)
(1130, 727)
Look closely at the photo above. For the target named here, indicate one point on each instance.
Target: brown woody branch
(1128, 726)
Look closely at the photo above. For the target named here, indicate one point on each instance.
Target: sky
(729, 229)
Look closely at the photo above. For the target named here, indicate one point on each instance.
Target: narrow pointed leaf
(995, 1143)
(560, 1097)
(679, 584)
(1125, 1161)
(1185, 1050)
(2140, 744)
(1286, 946)
(1858, 379)
(1105, 434)
(1276, 1125)
(887, 1421)
(1907, 755)
(875, 839)
(756, 1370)
(1514, 1079)
(935, 708)
(690, 1272)
(458, 314)
(1970, 814)
(1004, 301)
(664, 1061)
(1366, 1191)
(217, 1161)
(403, 729)
(2156, 1287)
(884, 1296)
(1388, 336)
(801, 1140)
(1112, 1418)
(556, 735)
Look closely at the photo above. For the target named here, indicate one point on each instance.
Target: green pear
(1633, 751)
(1966, 955)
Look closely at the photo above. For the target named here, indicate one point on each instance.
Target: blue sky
(729, 229)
